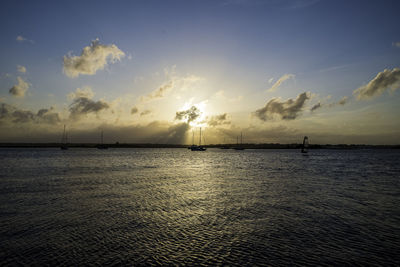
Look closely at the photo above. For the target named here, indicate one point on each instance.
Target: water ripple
(220, 207)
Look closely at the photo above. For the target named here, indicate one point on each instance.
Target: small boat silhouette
(304, 148)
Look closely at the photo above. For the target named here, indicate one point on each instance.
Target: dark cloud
(134, 110)
(343, 101)
(218, 120)
(145, 112)
(288, 110)
(383, 81)
(316, 106)
(188, 115)
(83, 105)
(47, 116)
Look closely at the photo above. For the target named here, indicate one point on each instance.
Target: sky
(157, 71)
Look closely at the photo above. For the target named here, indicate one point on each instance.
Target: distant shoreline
(246, 146)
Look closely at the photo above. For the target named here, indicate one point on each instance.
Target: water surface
(175, 206)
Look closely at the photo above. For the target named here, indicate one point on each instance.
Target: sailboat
(102, 145)
(199, 147)
(304, 148)
(193, 145)
(64, 140)
(239, 147)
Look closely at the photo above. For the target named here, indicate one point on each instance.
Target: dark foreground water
(219, 207)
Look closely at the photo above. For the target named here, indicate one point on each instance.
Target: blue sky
(219, 56)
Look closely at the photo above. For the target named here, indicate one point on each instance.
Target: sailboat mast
(200, 138)
(101, 137)
(192, 138)
(63, 136)
(241, 138)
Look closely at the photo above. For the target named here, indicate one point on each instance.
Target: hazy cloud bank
(11, 114)
(218, 120)
(93, 58)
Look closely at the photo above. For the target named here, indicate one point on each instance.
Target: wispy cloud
(93, 58)
(396, 44)
(145, 112)
(221, 96)
(20, 88)
(280, 81)
(377, 86)
(286, 110)
(173, 84)
(159, 92)
(343, 101)
(316, 106)
(22, 39)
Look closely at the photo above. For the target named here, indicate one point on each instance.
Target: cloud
(218, 120)
(384, 80)
(343, 101)
(22, 39)
(85, 92)
(221, 96)
(134, 110)
(159, 92)
(20, 88)
(93, 58)
(396, 44)
(280, 81)
(145, 112)
(9, 113)
(288, 110)
(189, 115)
(173, 84)
(83, 104)
(316, 106)
(47, 116)
(21, 69)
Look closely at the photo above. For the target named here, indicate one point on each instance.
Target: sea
(173, 206)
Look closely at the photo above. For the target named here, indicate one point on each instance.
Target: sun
(201, 119)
